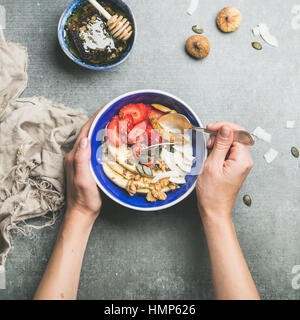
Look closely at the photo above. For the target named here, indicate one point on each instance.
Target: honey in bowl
(88, 37)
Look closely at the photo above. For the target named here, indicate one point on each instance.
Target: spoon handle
(240, 136)
(97, 5)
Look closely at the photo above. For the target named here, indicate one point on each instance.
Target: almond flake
(177, 180)
(265, 34)
(193, 7)
(262, 134)
(270, 155)
(290, 124)
(255, 31)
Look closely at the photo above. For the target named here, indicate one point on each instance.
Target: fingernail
(83, 143)
(225, 132)
(209, 141)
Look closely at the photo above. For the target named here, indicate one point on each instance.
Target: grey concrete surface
(135, 255)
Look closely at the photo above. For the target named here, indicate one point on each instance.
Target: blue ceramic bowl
(139, 202)
(62, 34)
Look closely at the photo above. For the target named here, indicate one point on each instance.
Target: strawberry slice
(134, 111)
(145, 109)
(148, 130)
(137, 148)
(125, 126)
(126, 123)
(153, 136)
(138, 133)
(112, 132)
(155, 114)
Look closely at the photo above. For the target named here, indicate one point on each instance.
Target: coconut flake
(290, 124)
(262, 134)
(265, 34)
(177, 180)
(169, 159)
(166, 174)
(193, 7)
(270, 155)
(255, 31)
(179, 160)
(187, 152)
(295, 21)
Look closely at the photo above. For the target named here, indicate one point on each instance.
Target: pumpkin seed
(144, 160)
(247, 200)
(257, 45)
(148, 171)
(295, 152)
(140, 170)
(197, 29)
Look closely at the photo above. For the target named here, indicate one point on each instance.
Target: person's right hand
(224, 172)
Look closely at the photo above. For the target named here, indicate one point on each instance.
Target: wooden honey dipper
(118, 26)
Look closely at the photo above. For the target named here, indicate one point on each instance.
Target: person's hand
(83, 196)
(224, 172)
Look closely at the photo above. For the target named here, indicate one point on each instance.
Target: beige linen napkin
(35, 134)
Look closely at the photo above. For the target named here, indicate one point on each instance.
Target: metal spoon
(174, 122)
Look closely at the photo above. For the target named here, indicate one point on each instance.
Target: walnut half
(160, 195)
(150, 197)
(131, 187)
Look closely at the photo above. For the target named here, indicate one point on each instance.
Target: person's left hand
(83, 195)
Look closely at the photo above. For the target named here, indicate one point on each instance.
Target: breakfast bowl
(100, 135)
(84, 37)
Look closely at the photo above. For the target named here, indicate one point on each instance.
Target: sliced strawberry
(134, 111)
(112, 132)
(153, 136)
(136, 149)
(155, 114)
(137, 133)
(148, 130)
(145, 109)
(126, 123)
(125, 126)
(143, 138)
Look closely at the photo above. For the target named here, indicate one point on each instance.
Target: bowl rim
(106, 107)
(81, 62)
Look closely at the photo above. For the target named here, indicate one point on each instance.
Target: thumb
(222, 145)
(82, 158)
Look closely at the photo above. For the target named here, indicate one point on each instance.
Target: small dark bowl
(62, 34)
